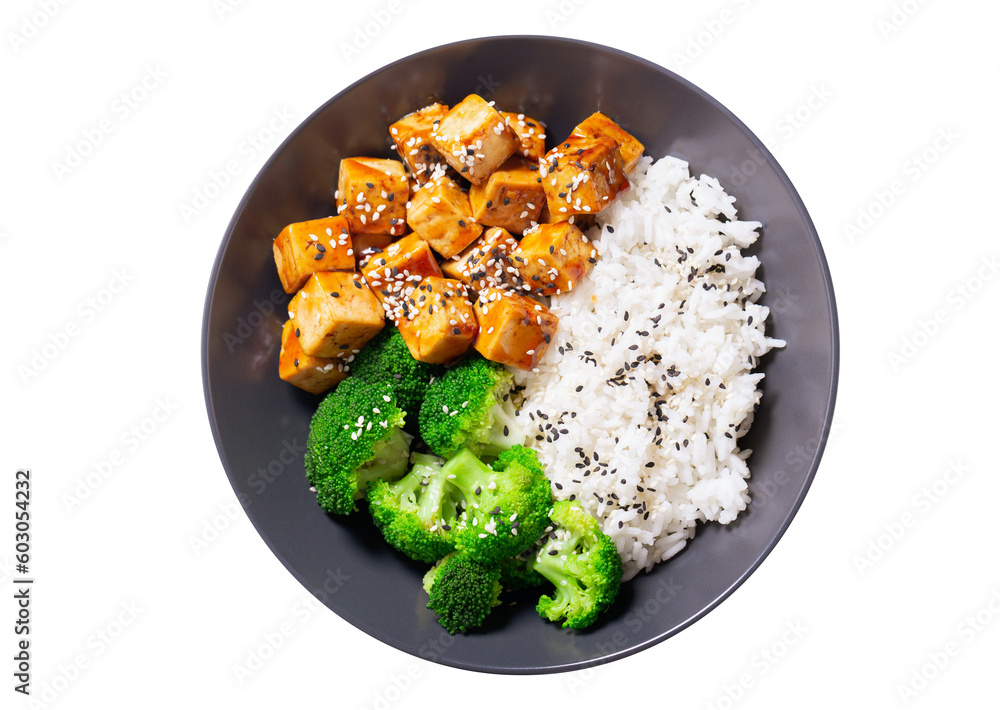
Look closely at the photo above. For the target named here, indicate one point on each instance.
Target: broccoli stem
(467, 473)
(389, 462)
(506, 432)
(553, 567)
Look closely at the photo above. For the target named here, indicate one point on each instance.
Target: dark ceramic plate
(260, 423)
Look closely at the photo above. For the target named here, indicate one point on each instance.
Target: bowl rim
(832, 315)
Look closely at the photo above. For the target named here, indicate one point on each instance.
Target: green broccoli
(462, 591)
(355, 437)
(505, 506)
(386, 358)
(515, 574)
(583, 564)
(416, 513)
(470, 406)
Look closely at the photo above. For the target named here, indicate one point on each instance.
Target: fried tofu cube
(597, 124)
(313, 374)
(442, 326)
(486, 262)
(552, 258)
(303, 248)
(514, 329)
(512, 196)
(371, 194)
(366, 244)
(582, 175)
(395, 271)
(531, 133)
(336, 314)
(583, 222)
(412, 137)
(474, 138)
(440, 214)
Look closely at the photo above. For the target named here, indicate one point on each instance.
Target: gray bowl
(260, 423)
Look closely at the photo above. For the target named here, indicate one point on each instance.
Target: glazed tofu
(336, 314)
(583, 222)
(303, 248)
(395, 271)
(371, 194)
(366, 244)
(582, 175)
(531, 133)
(486, 262)
(512, 196)
(474, 138)
(313, 374)
(552, 258)
(597, 124)
(412, 137)
(514, 329)
(442, 324)
(440, 214)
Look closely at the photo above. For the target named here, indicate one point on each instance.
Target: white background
(153, 588)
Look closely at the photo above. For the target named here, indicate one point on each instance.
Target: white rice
(641, 398)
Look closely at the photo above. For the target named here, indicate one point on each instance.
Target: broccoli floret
(416, 513)
(583, 564)
(470, 406)
(387, 359)
(355, 437)
(462, 591)
(505, 506)
(515, 574)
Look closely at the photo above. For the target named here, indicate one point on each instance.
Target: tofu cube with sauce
(313, 374)
(597, 124)
(393, 272)
(412, 137)
(303, 248)
(514, 329)
(474, 138)
(582, 175)
(442, 325)
(440, 214)
(371, 194)
(512, 196)
(552, 258)
(531, 133)
(486, 262)
(336, 314)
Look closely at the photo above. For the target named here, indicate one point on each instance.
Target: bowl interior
(261, 423)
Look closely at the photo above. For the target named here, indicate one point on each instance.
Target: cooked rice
(638, 405)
